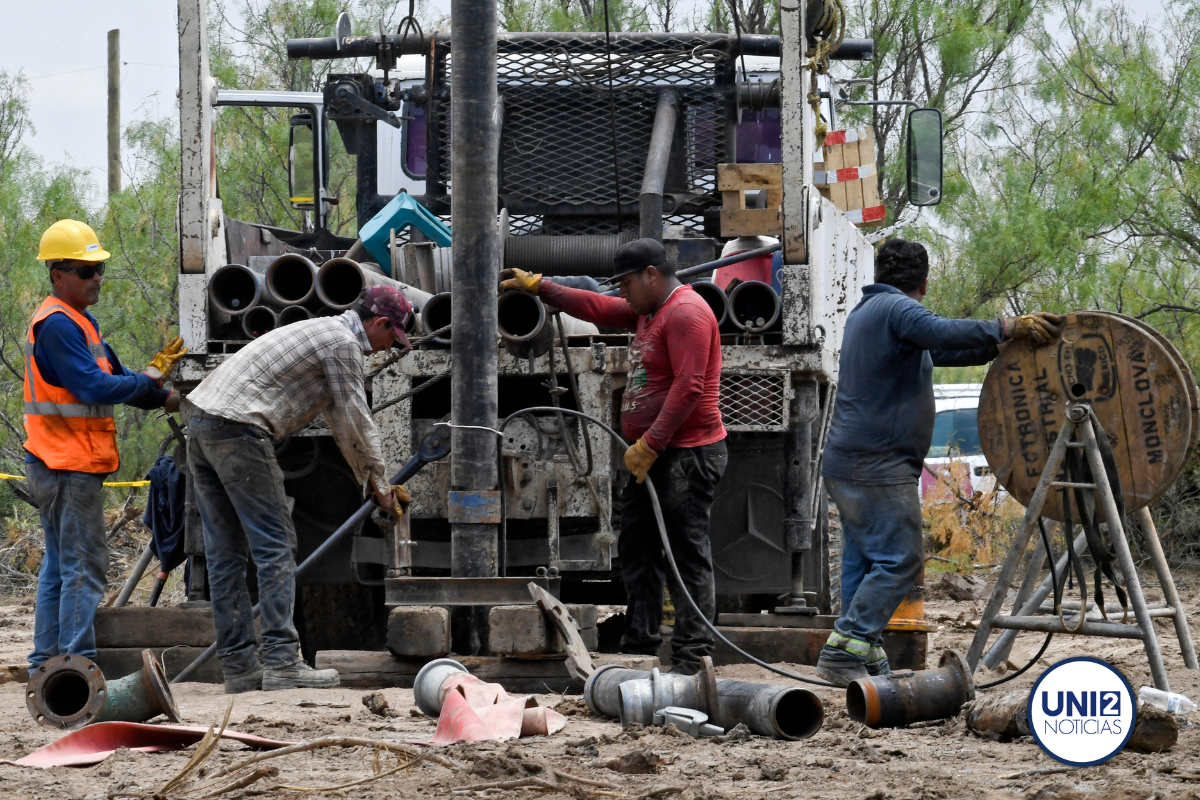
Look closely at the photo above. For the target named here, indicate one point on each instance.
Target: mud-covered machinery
(582, 164)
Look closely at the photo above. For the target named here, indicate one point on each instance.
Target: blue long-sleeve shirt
(62, 356)
(883, 416)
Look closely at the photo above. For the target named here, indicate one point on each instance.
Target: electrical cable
(662, 532)
(1054, 586)
(737, 27)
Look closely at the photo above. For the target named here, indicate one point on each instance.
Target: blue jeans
(883, 549)
(72, 579)
(245, 513)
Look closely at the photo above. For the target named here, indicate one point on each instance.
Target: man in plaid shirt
(271, 388)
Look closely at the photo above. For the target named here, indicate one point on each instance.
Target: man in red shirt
(669, 410)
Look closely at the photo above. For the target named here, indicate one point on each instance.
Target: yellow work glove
(391, 514)
(638, 459)
(520, 280)
(164, 361)
(1039, 326)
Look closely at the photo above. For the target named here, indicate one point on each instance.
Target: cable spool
(1138, 385)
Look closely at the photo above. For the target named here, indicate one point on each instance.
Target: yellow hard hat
(69, 238)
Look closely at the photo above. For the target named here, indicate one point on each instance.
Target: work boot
(250, 681)
(839, 667)
(299, 676)
(877, 662)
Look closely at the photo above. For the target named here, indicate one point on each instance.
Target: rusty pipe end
(66, 692)
(715, 297)
(798, 714)
(340, 282)
(291, 279)
(901, 698)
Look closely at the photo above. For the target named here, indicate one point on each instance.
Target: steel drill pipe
(901, 698)
(292, 280)
(474, 360)
(754, 307)
(719, 303)
(259, 320)
(293, 314)
(341, 281)
(658, 159)
(522, 320)
(235, 288)
(436, 315)
(785, 712)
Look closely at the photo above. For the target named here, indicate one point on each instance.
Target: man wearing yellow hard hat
(72, 381)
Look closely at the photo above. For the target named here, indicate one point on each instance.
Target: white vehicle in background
(955, 464)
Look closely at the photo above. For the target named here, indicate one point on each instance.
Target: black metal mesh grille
(754, 402)
(557, 135)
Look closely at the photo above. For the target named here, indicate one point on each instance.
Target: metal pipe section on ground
(474, 129)
(259, 320)
(754, 307)
(69, 691)
(341, 281)
(785, 712)
(235, 288)
(658, 158)
(292, 280)
(901, 698)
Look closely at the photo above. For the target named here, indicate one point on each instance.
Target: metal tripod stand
(1077, 431)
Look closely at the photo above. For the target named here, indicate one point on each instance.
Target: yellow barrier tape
(6, 477)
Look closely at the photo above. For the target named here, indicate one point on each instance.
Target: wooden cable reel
(1139, 386)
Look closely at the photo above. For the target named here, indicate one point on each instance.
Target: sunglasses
(85, 273)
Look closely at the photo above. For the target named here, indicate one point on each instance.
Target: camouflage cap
(392, 305)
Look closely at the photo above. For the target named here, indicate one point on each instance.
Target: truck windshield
(956, 432)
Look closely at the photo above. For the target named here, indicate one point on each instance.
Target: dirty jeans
(239, 493)
(882, 554)
(72, 579)
(685, 479)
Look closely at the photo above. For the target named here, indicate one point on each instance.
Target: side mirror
(300, 162)
(923, 154)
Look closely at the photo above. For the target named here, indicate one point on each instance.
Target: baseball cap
(391, 304)
(637, 255)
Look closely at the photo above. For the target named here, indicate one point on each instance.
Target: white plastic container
(1167, 701)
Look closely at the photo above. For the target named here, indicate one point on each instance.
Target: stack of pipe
(293, 288)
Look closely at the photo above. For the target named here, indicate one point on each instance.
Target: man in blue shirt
(881, 431)
(72, 381)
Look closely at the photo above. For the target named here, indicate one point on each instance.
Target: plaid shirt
(283, 380)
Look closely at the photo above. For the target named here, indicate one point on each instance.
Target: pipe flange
(707, 680)
(66, 692)
(156, 680)
(958, 662)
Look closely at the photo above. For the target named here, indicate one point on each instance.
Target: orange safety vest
(63, 432)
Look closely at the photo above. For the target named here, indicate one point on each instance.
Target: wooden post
(195, 129)
(797, 126)
(114, 111)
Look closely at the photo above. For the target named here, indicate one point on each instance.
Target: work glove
(164, 361)
(1039, 326)
(398, 499)
(520, 280)
(172, 403)
(638, 459)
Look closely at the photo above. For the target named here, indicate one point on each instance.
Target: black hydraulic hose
(662, 532)
(1049, 636)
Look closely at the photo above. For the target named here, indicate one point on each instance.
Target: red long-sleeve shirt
(674, 365)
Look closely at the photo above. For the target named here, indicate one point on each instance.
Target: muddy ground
(844, 760)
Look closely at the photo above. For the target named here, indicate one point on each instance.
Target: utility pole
(114, 111)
